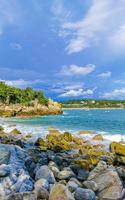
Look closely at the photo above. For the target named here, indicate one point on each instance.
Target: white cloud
(15, 46)
(21, 83)
(77, 70)
(77, 93)
(115, 94)
(103, 25)
(119, 81)
(105, 75)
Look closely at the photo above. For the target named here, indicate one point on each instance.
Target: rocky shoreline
(60, 167)
(33, 110)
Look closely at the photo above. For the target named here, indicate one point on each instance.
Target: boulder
(108, 182)
(53, 167)
(98, 137)
(40, 184)
(72, 186)
(118, 148)
(66, 174)
(60, 192)
(42, 193)
(91, 185)
(45, 173)
(83, 174)
(84, 194)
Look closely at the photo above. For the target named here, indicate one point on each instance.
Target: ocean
(108, 122)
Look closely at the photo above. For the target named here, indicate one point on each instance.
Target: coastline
(93, 108)
(60, 166)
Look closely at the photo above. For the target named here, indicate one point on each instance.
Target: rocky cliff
(35, 109)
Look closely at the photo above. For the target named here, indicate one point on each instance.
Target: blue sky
(70, 49)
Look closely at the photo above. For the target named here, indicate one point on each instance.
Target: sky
(71, 49)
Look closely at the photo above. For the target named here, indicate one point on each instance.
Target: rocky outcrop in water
(18, 110)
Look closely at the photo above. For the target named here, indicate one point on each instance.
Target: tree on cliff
(13, 95)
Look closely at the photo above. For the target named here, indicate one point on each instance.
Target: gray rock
(72, 186)
(43, 158)
(53, 167)
(66, 174)
(4, 154)
(76, 181)
(85, 194)
(83, 174)
(91, 185)
(42, 193)
(4, 170)
(41, 183)
(22, 196)
(107, 180)
(51, 155)
(61, 192)
(45, 173)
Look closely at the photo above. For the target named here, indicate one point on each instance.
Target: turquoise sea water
(110, 122)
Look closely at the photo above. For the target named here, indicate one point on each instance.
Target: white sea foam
(42, 131)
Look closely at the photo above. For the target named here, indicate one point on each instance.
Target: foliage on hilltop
(74, 103)
(13, 95)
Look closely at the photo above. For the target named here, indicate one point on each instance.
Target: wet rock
(45, 173)
(83, 174)
(66, 174)
(4, 154)
(85, 194)
(107, 180)
(4, 170)
(91, 185)
(61, 192)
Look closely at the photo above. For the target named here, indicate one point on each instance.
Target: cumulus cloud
(77, 70)
(103, 21)
(115, 94)
(105, 75)
(21, 83)
(77, 93)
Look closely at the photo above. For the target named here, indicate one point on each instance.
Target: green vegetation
(12, 95)
(94, 104)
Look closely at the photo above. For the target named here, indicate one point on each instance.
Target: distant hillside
(13, 95)
(93, 104)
